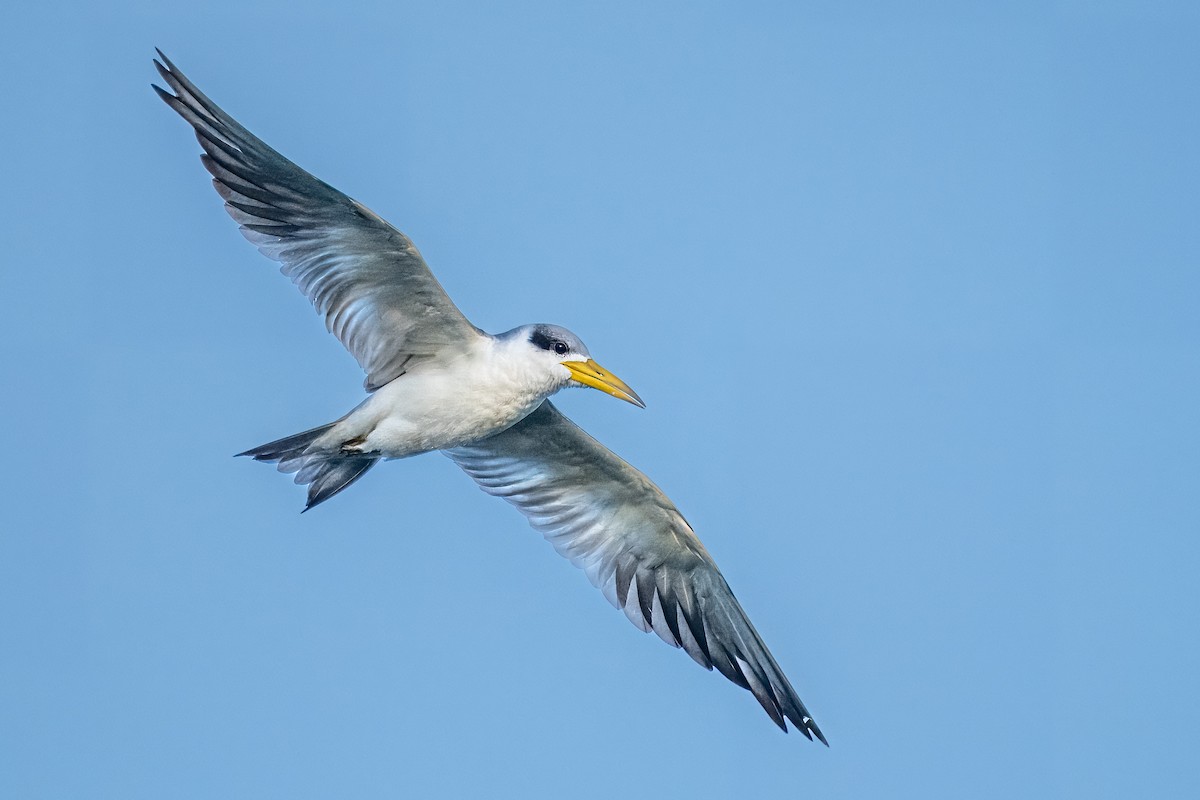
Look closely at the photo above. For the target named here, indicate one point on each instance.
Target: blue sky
(911, 295)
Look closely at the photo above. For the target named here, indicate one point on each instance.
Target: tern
(436, 382)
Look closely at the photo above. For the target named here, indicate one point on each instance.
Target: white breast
(433, 408)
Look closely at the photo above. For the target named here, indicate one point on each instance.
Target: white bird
(436, 382)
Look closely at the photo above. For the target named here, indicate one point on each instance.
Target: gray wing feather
(363, 276)
(634, 545)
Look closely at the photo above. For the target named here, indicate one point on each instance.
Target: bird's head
(567, 355)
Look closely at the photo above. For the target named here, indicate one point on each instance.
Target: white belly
(435, 410)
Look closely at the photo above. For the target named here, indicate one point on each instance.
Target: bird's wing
(634, 545)
(365, 277)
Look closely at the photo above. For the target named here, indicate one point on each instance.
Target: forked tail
(325, 473)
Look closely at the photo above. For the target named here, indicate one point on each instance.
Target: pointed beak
(589, 373)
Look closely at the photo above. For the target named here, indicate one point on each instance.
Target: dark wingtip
(165, 73)
(160, 62)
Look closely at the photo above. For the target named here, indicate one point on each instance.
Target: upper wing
(611, 521)
(364, 276)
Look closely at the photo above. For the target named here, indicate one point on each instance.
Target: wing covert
(364, 277)
(633, 544)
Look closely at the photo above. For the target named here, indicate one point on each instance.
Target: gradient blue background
(911, 292)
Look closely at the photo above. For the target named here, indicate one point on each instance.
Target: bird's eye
(561, 348)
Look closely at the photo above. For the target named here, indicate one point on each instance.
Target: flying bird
(437, 382)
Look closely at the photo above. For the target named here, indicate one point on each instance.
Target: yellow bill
(589, 373)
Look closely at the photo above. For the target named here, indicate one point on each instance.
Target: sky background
(912, 295)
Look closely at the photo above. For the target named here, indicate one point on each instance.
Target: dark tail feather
(328, 475)
(286, 448)
(325, 473)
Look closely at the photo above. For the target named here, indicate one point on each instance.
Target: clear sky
(912, 296)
